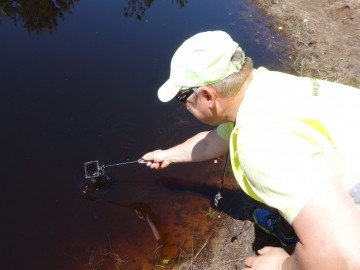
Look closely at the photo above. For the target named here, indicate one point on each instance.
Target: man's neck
(233, 103)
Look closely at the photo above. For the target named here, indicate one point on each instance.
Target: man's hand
(157, 159)
(270, 258)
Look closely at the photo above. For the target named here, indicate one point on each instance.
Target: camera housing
(93, 169)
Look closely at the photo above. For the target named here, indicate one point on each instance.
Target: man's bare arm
(329, 231)
(203, 146)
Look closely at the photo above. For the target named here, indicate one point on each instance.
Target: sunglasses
(183, 95)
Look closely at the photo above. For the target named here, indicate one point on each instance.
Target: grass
(212, 214)
(100, 258)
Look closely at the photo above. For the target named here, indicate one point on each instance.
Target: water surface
(78, 83)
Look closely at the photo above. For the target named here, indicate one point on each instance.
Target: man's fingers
(148, 156)
(249, 261)
(264, 250)
(155, 165)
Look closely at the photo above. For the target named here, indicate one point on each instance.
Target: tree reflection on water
(42, 15)
(36, 15)
(137, 8)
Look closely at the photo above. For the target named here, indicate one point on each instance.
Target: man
(294, 145)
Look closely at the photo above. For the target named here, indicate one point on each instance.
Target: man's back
(292, 134)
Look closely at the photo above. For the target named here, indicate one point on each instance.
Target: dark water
(78, 82)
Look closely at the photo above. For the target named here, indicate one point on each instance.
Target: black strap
(224, 170)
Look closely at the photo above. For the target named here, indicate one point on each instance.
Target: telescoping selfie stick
(93, 169)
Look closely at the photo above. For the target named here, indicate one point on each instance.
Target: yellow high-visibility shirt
(292, 135)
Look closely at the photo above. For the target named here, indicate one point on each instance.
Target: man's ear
(209, 94)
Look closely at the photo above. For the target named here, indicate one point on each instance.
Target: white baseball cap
(203, 59)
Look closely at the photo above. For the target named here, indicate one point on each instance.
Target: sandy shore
(324, 35)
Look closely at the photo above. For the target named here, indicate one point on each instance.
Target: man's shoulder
(263, 72)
